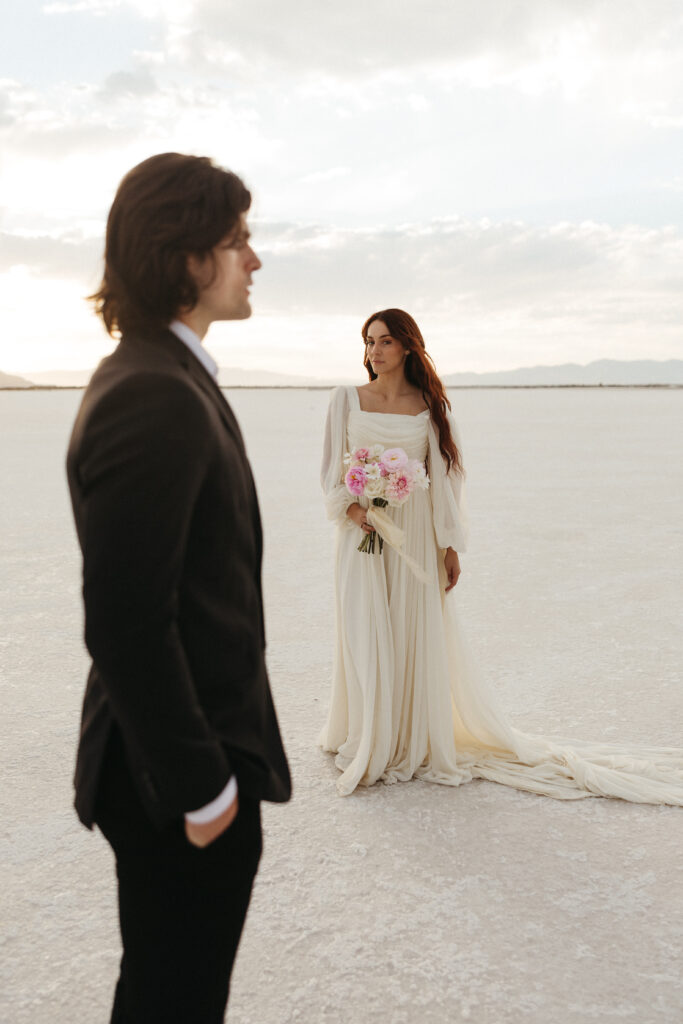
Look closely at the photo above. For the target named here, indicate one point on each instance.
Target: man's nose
(254, 261)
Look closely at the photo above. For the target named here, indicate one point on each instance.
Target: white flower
(420, 475)
(374, 487)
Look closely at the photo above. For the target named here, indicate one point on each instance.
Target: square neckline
(371, 412)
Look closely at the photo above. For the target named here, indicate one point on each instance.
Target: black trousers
(181, 909)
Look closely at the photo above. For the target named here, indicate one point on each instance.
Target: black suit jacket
(168, 523)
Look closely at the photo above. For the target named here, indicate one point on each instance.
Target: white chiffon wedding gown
(407, 700)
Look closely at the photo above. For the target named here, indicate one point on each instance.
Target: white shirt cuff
(211, 811)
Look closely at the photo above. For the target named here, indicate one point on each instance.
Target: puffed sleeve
(447, 490)
(337, 498)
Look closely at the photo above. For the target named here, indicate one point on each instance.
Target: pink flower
(355, 480)
(361, 455)
(393, 459)
(398, 488)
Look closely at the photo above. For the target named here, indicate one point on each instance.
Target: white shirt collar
(193, 342)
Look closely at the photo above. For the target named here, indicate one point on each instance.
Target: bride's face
(385, 353)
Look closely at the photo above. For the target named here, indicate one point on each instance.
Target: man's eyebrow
(240, 236)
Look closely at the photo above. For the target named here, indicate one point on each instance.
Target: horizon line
(329, 387)
(324, 380)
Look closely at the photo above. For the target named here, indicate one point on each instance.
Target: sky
(508, 171)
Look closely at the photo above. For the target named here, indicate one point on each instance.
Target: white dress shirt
(203, 815)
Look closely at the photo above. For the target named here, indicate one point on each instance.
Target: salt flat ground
(411, 903)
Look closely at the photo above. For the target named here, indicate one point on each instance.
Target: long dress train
(407, 699)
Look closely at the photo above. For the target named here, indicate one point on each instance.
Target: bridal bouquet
(385, 475)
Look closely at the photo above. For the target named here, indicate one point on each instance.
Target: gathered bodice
(348, 427)
(391, 430)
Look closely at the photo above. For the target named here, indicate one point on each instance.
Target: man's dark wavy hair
(166, 208)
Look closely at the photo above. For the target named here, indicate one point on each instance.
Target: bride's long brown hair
(419, 371)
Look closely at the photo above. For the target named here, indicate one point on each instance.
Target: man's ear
(202, 269)
(194, 265)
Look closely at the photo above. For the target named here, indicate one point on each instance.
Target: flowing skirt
(409, 702)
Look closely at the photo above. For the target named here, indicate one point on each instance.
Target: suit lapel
(180, 352)
(209, 385)
(203, 379)
(173, 348)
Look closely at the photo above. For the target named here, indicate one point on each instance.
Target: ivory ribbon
(394, 536)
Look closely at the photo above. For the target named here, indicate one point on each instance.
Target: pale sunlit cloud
(80, 6)
(510, 173)
(487, 295)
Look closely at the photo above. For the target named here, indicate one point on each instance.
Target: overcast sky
(509, 171)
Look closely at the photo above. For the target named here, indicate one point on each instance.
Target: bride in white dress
(407, 700)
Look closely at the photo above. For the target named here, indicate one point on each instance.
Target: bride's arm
(448, 496)
(337, 498)
(451, 563)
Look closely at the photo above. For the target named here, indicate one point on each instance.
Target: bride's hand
(452, 564)
(358, 514)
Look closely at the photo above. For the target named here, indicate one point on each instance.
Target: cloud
(128, 84)
(358, 38)
(56, 122)
(322, 177)
(6, 117)
(128, 109)
(400, 124)
(63, 257)
(81, 6)
(590, 272)
(674, 184)
(488, 295)
(375, 136)
(457, 265)
(618, 56)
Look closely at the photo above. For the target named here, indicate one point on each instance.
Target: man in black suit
(179, 739)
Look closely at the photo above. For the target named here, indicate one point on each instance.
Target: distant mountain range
(7, 380)
(61, 378)
(603, 371)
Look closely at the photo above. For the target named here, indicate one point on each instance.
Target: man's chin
(244, 312)
(241, 312)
